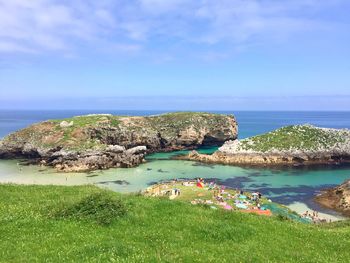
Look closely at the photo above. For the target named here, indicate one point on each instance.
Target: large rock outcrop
(102, 141)
(337, 198)
(291, 145)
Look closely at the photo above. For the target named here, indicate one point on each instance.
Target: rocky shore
(291, 145)
(103, 141)
(337, 198)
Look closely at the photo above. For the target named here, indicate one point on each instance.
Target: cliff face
(292, 145)
(103, 141)
(337, 198)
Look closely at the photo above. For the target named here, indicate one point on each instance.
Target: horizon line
(172, 110)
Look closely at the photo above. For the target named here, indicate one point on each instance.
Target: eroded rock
(292, 145)
(337, 198)
(102, 141)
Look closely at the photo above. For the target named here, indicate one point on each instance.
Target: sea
(294, 187)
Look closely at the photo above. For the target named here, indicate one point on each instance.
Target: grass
(154, 230)
(101, 208)
(87, 120)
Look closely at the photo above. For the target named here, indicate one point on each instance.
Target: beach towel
(241, 206)
(228, 207)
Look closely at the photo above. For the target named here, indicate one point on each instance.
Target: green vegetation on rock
(94, 131)
(88, 120)
(298, 137)
(154, 230)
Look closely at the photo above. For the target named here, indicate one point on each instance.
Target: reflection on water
(286, 186)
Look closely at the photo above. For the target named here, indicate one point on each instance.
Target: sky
(175, 54)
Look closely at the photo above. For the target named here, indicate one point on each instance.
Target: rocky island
(291, 145)
(337, 198)
(103, 141)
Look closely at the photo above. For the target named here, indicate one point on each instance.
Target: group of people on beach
(314, 217)
(221, 196)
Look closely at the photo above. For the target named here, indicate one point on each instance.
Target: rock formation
(291, 145)
(102, 141)
(337, 198)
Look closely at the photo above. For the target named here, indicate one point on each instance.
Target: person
(220, 198)
(216, 192)
(211, 185)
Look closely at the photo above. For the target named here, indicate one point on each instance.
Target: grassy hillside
(61, 224)
(297, 137)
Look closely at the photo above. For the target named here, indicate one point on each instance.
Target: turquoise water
(286, 186)
(294, 187)
(169, 155)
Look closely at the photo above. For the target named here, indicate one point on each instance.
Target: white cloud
(44, 25)
(11, 47)
(238, 20)
(60, 26)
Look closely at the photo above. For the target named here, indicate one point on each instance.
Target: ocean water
(294, 187)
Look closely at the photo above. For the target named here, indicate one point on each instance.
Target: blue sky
(175, 54)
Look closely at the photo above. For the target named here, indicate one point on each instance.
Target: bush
(282, 217)
(101, 208)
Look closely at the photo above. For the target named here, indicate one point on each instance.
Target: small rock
(137, 150)
(65, 124)
(115, 148)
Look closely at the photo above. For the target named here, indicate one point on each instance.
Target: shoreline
(169, 189)
(34, 174)
(335, 199)
(258, 160)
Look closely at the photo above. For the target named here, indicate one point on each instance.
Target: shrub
(101, 208)
(282, 217)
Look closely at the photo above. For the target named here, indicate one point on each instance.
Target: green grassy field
(36, 227)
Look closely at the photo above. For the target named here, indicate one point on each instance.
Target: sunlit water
(294, 187)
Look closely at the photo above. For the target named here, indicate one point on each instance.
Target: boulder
(115, 148)
(137, 150)
(337, 198)
(65, 124)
